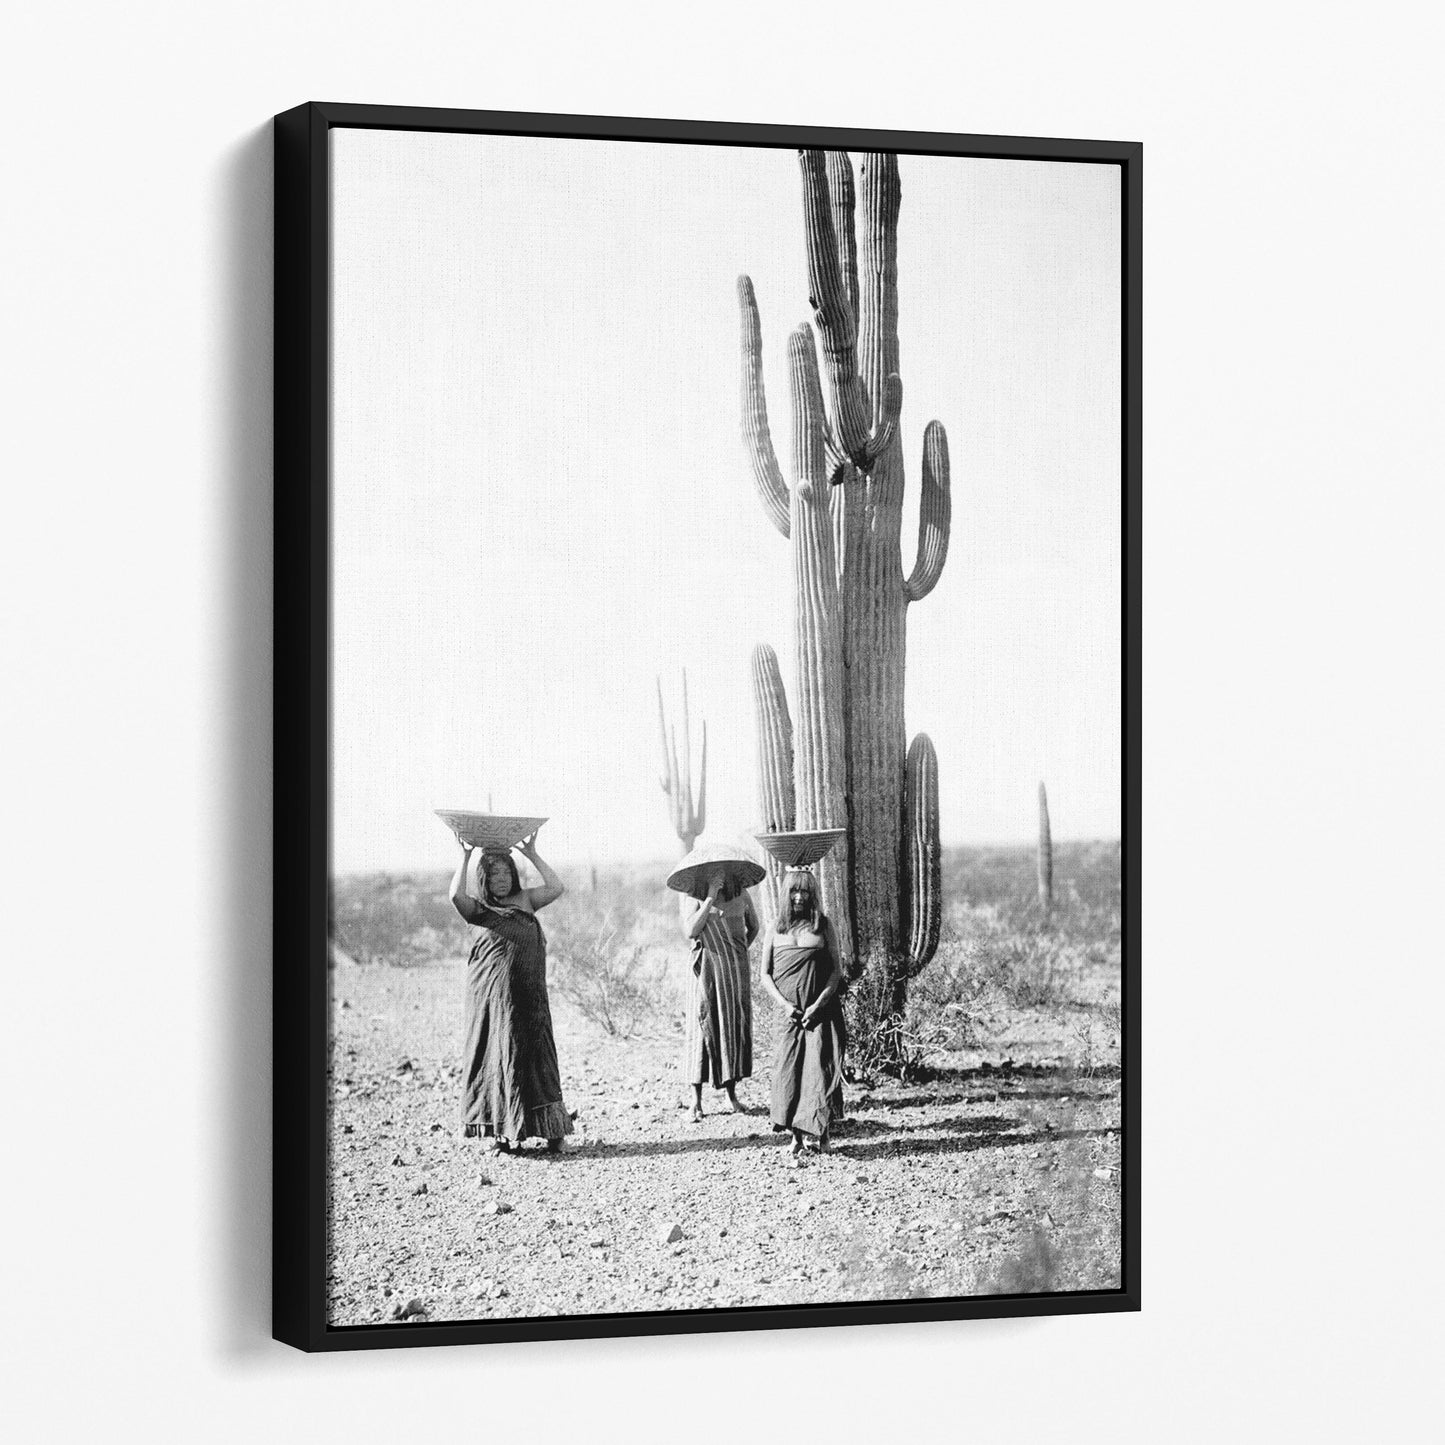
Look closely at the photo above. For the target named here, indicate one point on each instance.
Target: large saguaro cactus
(842, 514)
(689, 817)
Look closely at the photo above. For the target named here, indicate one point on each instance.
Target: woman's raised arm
(463, 901)
(552, 886)
(694, 923)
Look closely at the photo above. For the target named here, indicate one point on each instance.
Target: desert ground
(992, 1165)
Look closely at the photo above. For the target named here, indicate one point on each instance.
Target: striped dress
(718, 1037)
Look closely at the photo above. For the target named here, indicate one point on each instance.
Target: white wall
(1294, 476)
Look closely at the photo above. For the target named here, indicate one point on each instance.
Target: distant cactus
(842, 514)
(1046, 854)
(689, 818)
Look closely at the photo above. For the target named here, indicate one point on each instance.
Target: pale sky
(542, 501)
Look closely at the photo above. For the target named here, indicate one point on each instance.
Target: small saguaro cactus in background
(689, 817)
(845, 748)
(1046, 854)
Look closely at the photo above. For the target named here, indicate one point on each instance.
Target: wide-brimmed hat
(494, 832)
(695, 873)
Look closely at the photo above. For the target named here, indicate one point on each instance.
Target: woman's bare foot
(733, 1104)
(498, 1146)
(554, 1146)
(696, 1114)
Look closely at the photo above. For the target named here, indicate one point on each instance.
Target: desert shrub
(999, 951)
(605, 968)
(980, 972)
(407, 918)
(401, 918)
(1030, 969)
(1091, 1042)
(1088, 888)
(883, 1041)
(956, 1000)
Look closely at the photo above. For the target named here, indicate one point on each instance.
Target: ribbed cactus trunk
(777, 798)
(820, 760)
(885, 794)
(1046, 854)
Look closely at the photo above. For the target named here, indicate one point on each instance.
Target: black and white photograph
(722, 721)
(727, 708)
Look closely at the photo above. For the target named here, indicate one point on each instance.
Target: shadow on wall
(241, 1031)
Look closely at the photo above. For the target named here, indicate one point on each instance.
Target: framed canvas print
(707, 726)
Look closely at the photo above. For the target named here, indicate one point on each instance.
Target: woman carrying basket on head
(802, 972)
(512, 1087)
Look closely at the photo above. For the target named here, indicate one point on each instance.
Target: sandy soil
(1002, 1173)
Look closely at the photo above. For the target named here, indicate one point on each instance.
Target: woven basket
(801, 850)
(695, 873)
(488, 830)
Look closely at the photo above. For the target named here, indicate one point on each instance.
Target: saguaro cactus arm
(842, 194)
(924, 862)
(878, 272)
(756, 433)
(776, 796)
(860, 433)
(776, 791)
(820, 767)
(935, 512)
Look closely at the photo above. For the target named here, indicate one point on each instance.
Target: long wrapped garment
(718, 1037)
(512, 1086)
(807, 1063)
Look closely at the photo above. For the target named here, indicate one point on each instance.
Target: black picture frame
(302, 171)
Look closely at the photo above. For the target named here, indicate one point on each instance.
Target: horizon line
(673, 860)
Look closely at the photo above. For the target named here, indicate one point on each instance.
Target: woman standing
(718, 1039)
(802, 972)
(512, 1087)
